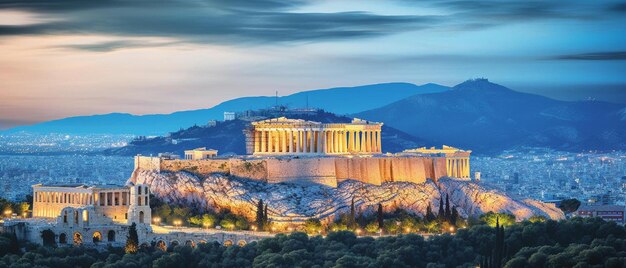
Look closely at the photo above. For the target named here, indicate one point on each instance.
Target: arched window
(228, 243)
(141, 217)
(85, 216)
(63, 239)
(161, 245)
(65, 216)
(111, 236)
(75, 217)
(78, 239)
(48, 237)
(97, 237)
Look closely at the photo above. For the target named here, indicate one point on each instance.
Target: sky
(64, 58)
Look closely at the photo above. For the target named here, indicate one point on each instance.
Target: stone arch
(144, 245)
(190, 243)
(174, 243)
(202, 241)
(48, 238)
(111, 236)
(141, 216)
(63, 239)
(161, 245)
(241, 243)
(96, 237)
(77, 238)
(228, 243)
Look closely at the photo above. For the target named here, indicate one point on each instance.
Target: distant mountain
(343, 100)
(227, 137)
(487, 117)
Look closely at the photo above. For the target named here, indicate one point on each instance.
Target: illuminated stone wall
(321, 170)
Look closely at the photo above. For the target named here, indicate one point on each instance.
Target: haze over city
(68, 58)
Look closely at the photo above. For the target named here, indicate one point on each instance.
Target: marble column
(257, 145)
(263, 143)
(379, 147)
(283, 141)
(290, 141)
(311, 141)
(298, 141)
(344, 142)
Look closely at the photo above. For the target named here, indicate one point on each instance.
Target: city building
(606, 212)
(457, 160)
(295, 136)
(200, 153)
(229, 116)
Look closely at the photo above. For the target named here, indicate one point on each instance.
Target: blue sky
(69, 57)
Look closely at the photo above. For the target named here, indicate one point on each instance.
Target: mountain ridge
(484, 116)
(329, 99)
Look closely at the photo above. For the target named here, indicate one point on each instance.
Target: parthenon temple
(295, 136)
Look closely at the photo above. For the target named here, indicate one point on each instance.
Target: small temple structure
(457, 160)
(295, 136)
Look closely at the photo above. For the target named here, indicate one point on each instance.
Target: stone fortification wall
(302, 170)
(148, 163)
(319, 170)
(255, 169)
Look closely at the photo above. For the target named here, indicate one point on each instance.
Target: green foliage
(569, 205)
(312, 226)
(571, 243)
(132, 240)
(491, 218)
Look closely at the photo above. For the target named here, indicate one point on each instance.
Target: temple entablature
(296, 136)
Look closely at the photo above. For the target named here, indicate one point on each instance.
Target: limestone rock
(297, 202)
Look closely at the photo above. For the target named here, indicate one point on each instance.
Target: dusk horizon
(335, 134)
(204, 53)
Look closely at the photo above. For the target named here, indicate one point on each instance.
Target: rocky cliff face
(293, 202)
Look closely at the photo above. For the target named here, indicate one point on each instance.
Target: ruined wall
(148, 163)
(320, 170)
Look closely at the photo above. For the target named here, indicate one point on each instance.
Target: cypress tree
(441, 214)
(380, 216)
(352, 222)
(132, 240)
(454, 217)
(429, 213)
(266, 220)
(448, 213)
(260, 217)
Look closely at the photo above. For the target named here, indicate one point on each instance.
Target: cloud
(217, 21)
(109, 46)
(594, 56)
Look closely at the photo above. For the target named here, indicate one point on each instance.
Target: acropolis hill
(299, 151)
(305, 169)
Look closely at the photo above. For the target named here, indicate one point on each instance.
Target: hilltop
(228, 138)
(488, 117)
(341, 100)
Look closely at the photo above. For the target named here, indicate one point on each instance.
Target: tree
(569, 205)
(266, 220)
(491, 218)
(312, 226)
(441, 214)
(260, 215)
(352, 219)
(447, 212)
(380, 216)
(430, 216)
(132, 240)
(454, 216)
